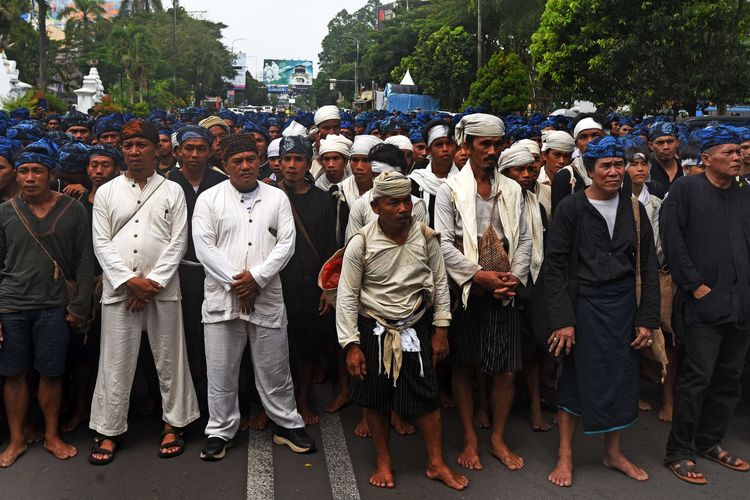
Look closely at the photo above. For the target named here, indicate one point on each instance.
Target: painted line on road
(340, 469)
(259, 466)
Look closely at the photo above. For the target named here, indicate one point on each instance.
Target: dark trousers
(708, 388)
(191, 287)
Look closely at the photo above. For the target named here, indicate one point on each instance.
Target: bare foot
(562, 474)
(60, 449)
(449, 477)
(446, 400)
(539, 423)
(340, 402)
(244, 423)
(362, 429)
(401, 426)
(506, 456)
(619, 462)
(382, 476)
(481, 420)
(665, 412)
(309, 416)
(644, 406)
(469, 458)
(73, 422)
(31, 434)
(9, 456)
(259, 422)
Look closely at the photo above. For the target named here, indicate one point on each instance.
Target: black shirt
(601, 260)
(210, 179)
(659, 175)
(561, 186)
(299, 279)
(705, 235)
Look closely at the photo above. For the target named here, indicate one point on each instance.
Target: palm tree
(140, 6)
(133, 49)
(82, 14)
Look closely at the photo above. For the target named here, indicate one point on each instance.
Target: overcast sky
(276, 29)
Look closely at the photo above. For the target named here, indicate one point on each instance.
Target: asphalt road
(257, 469)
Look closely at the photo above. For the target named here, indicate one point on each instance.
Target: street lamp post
(356, 75)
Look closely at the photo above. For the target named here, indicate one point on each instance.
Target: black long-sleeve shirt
(705, 235)
(601, 259)
(27, 277)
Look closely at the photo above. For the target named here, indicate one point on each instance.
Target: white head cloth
(173, 137)
(436, 132)
(586, 124)
(479, 125)
(364, 143)
(515, 157)
(559, 140)
(337, 144)
(273, 148)
(294, 128)
(401, 142)
(326, 113)
(379, 167)
(532, 146)
(392, 184)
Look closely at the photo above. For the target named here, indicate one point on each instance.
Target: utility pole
(356, 74)
(42, 26)
(174, 47)
(479, 34)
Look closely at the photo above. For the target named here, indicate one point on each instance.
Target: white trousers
(225, 342)
(118, 357)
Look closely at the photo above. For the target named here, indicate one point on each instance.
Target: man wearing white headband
(274, 161)
(426, 181)
(574, 178)
(487, 246)
(557, 151)
(404, 144)
(333, 154)
(382, 323)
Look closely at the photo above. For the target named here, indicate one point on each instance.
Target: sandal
(178, 442)
(97, 449)
(734, 463)
(682, 468)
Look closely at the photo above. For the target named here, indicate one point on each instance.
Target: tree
(140, 6)
(255, 92)
(82, 14)
(502, 85)
(132, 46)
(442, 64)
(41, 82)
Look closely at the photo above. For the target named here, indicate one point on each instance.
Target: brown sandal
(734, 463)
(682, 468)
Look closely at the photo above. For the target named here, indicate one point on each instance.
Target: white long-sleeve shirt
(231, 238)
(149, 244)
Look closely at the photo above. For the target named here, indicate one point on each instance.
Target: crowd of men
(420, 261)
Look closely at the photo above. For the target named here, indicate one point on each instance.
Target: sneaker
(296, 439)
(215, 448)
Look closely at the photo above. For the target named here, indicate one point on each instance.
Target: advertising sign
(280, 75)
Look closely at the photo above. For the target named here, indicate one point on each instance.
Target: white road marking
(259, 466)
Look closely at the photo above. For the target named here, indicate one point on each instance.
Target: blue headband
(660, 129)
(43, 151)
(107, 150)
(8, 148)
(194, 132)
(25, 132)
(296, 144)
(715, 136)
(604, 147)
(254, 127)
(73, 158)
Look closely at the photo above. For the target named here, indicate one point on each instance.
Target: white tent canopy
(407, 79)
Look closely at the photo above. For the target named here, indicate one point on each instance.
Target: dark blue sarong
(599, 379)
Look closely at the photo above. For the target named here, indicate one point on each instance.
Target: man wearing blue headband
(596, 320)
(706, 240)
(8, 186)
(47, 262)
(663, 142)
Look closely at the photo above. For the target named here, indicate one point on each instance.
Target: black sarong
(599, 382)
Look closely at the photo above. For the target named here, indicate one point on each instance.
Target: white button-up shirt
(231, 238)
(148, 244)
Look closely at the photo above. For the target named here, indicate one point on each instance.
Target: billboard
(239, 63)
(281, 75)
(56, 22)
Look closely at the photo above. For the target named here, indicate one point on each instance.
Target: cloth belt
(398, 337)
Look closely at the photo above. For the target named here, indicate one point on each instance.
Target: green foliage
(502, 85)
(140, 109)
(55, 104)
(27, 101)
(255, 92)
(442, 64)
(651, 55)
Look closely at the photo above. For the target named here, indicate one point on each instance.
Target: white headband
(335, 144)
(559, 140)
(326, 113)
(479, 125)
(273, 148)
(586, 124)
(437, 132)
(379, 167)
(364, 143)
(401, 142)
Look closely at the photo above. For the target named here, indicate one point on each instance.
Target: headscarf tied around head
(718, 135)
(335, 143)
(111, 123)
(479, 125)
(364, 143)
(140, 128)
(294, 128)
(392, 124)
(194, 132)
(604, 147)
(73, 158)
(8, 148)
(586, 124)
(273, 148)
(744, 133)
(107, 150)
(25, 133)
(558, 140)
(661, 129)
(532, 146)
(515, 157)
(326, 113)
(401, 142)
(43, 151)
(296, 144)
(258, 129)
(391, 184)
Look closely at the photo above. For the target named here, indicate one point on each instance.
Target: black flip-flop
(97, 449)
(178, 442)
